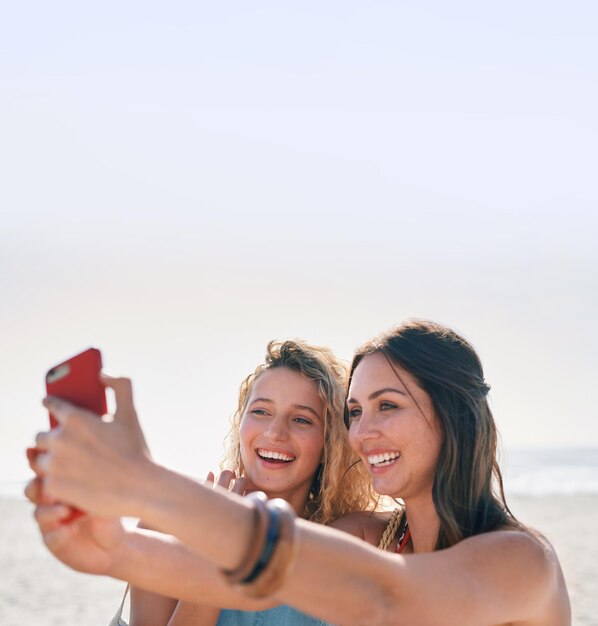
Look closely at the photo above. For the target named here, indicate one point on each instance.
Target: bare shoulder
(366, 525)
(516, 569)
(522, 543)
(521, 556)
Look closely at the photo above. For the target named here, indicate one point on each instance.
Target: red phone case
(77, 380)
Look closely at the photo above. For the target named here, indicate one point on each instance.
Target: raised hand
(227, 479)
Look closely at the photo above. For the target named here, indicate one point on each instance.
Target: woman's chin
(386, 486)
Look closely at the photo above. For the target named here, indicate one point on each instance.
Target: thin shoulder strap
(391, 528)
(116, 620)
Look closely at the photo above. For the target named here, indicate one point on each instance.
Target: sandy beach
(571, 524)
(38, 591)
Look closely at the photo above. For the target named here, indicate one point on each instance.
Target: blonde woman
(288, 440)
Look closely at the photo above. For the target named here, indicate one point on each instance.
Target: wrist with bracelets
(272, 550)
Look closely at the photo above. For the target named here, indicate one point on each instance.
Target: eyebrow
(377, 394)
(262, 400)
(303, 407)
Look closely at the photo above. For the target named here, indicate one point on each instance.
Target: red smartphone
(78, 380)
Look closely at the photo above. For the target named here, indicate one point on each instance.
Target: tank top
(283, 615)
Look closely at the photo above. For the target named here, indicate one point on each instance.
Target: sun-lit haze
(182, 182)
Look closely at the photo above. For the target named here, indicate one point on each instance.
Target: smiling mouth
(383, 460)
(274, 457)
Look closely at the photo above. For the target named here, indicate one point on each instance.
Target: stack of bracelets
(272, 549)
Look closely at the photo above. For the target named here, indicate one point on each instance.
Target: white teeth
(379, 460)
(270, 454)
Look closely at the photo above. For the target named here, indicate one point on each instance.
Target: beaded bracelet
(261, 575)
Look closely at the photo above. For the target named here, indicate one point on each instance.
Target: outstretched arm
(499, 577)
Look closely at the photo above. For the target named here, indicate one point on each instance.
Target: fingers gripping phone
(78, 380)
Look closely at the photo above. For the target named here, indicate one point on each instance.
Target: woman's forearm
(161, 564)
(200, 517)
(337, 577)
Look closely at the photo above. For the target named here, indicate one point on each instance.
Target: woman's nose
(276, 428)
(365, 427)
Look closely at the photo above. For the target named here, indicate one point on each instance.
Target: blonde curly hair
(341, 485)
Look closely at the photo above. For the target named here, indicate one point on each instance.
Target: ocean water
(545, 472)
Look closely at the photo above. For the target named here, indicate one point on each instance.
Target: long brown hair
(336, 490)
(468, 489)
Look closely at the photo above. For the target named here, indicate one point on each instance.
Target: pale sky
(181, 183)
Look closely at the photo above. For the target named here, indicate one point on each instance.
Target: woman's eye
(259, 412)
(387, 406)
(302, 420)
(354, 413)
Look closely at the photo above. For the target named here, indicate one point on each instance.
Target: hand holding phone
(78, 380)
(94, 464)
